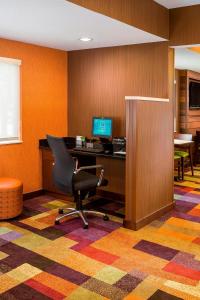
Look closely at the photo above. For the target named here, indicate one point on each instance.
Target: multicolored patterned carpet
(161, 261)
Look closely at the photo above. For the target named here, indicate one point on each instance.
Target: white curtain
(9, 100)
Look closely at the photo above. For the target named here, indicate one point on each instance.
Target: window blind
(9, 100)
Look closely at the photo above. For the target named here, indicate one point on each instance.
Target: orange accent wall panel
(185, 25)
(143, 14)
(44, 109)
(99, 80)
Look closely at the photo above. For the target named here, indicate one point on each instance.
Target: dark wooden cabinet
(47, 166)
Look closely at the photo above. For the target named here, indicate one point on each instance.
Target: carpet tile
(4, 268)
(3, 255)
(40, 260)
(67, 273)
(183, 271)
(110, 274)
(128, 283)
(99, 255)
(104, 289)
(83, 294)
(4, 230)
(155, 249)
(24, 292)
(10, 236)
(162, 295)
(56, 283)
(43, 289)
(23, 272)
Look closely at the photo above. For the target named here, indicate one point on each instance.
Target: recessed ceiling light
(85, 39)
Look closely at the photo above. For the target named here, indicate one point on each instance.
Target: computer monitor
(102, 127)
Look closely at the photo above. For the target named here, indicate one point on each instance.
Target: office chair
(74, 181)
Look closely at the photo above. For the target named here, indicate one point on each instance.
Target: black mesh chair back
(64, 164)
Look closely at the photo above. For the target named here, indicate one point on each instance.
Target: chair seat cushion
(176, 157)
(181, 153)
(85, 181)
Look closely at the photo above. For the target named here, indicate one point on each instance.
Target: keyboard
(90, 150)
(120, 153)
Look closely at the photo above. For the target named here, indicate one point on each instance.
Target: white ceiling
(177, 3)
(59, 24)
(186, 59)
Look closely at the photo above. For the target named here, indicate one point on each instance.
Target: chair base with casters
(78, 211)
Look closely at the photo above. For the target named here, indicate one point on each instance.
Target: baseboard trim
(34, 194)
(149, 218)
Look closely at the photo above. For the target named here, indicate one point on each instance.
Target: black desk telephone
(119, 144)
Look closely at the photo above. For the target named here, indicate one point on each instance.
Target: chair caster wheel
(85, 227)
(106, 218)
(57, 222)
(60, 211)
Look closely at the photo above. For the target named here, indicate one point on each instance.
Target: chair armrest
(76, 162)
(88, 168)
(85, 168)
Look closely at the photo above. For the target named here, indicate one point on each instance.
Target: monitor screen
(102, 127)
(194, 94)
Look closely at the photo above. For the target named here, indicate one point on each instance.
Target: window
(10, 122)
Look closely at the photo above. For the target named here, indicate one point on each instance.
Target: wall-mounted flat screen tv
(194, 94)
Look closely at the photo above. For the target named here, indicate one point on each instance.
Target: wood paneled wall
(176, 99)
(149, 165)
(185, 25)
(99, 80)
(144, 14)
(189, 119)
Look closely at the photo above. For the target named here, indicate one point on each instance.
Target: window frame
(18, 139)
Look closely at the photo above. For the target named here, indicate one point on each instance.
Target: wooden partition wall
(149, 163)
(99, 80)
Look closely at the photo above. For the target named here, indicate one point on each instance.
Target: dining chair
(177, 163)
(184, 151)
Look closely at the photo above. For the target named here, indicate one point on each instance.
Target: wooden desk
(185, 145)
(114, 167)
(182, 143)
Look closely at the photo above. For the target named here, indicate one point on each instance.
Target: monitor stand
(104, 140)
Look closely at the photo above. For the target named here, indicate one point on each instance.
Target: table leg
(182, 167)
(191, 161)
(179, 171)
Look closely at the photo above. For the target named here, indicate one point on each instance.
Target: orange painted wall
(44, 109)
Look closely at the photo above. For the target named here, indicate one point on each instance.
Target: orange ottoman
(11, 198)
